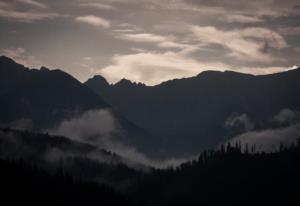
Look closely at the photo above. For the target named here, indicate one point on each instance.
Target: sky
(151, 41)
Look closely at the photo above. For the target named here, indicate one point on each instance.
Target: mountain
(46, 97)
(43, 99)
(190, 114)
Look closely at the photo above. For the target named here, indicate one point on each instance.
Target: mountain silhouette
(48, 97)
(189, 114)
(44, 96)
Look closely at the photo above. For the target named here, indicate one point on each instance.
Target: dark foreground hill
(55, 154)
(226, 177)
(188, 115)
(24, 185)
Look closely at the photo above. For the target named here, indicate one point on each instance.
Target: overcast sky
(151, 41)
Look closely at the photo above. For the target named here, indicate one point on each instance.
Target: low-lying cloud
(285, 134)
(239, 122)
(101, 129)
(89, 127)
(286, 117)
(269, 140)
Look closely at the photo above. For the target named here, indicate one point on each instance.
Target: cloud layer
(249, 36)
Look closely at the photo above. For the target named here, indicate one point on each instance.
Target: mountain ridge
(192, 112)
(46, 98)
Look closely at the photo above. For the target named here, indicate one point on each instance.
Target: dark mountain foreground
(228, 176)
(59, 154)
(24, 185)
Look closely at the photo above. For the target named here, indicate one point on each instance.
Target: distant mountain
(188, 115)
(44, 98)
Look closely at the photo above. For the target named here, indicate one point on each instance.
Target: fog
(286, 132)
(101, 129)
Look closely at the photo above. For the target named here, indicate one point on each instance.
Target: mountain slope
(54, 153)
(43, 99)
(191, 113)
(46, 97)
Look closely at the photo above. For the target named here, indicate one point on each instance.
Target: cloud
(15, 11)
(256, 8)
(15, 145)
(241, 18)
(166, 42)
(20, 55)
(269, 140)
(94, 20)
(239, 121)
(286, 117)
(33, 3)
(153, 68)
(286, 133)
(144, 37)
(90, 125)
(290, 31)
(3, 4)
(14, 53)
(262, 70)
(248, 44)
(26, 16)
(97, 5)
(99, 128)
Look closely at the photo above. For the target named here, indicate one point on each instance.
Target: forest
(227, 176)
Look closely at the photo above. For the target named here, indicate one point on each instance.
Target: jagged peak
(126, 82)
(97, 79)
(45, 69)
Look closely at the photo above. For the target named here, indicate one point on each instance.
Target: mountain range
(192, 114)
(175, 118)
(43, 99)
(65, 142)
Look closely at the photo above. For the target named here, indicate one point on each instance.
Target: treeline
(28, 185)
(227, 177)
